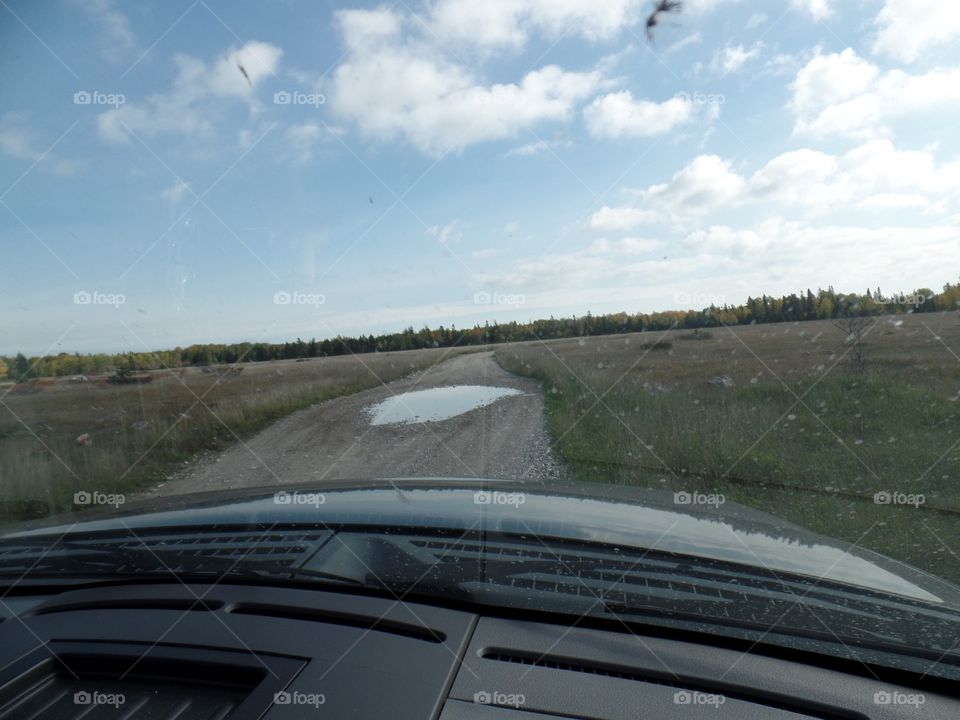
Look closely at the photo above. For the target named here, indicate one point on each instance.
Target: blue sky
(449, 162)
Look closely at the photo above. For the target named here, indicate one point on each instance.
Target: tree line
(822, 305)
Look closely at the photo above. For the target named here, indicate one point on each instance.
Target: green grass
(816, 463)
(142, 434)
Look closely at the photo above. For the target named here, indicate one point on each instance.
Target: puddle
(435, 404)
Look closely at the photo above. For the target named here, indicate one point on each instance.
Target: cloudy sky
(179, 171)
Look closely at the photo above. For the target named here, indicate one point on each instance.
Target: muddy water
(435, 404)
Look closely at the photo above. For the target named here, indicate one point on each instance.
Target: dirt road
(335, 440)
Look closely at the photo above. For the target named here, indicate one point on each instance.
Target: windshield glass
(684, 276)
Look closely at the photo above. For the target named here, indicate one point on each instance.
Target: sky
(201, 171)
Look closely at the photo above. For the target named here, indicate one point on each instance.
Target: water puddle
(435, 404)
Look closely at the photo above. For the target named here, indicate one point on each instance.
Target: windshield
(684, 275)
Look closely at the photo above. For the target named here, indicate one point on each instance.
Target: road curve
(335, 440)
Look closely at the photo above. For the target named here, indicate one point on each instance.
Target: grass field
(800, 434)
(137, 434)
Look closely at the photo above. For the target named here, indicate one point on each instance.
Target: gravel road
(335, 440)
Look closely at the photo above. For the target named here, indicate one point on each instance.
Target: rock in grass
(722, 380)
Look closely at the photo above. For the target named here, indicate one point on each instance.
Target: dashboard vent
(61, 690)
(180, 605)
(624, 581)
(161, 552)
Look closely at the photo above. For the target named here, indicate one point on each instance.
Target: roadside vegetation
(122, 432)
(824, 304)
(805, 420)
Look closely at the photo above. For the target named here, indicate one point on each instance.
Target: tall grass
(799, 435)
(140, 434)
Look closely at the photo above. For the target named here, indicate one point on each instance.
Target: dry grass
(141, 433)
(817, 462)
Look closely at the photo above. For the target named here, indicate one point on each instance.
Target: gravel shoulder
(335, 440)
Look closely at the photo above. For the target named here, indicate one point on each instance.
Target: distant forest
(824, 304)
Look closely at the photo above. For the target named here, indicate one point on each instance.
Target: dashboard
(182, 651)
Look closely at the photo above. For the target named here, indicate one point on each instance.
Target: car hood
(615, 515)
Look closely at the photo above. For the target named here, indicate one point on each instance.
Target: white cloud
(536, 147)
(894, 201)
(639, 246)
(118, 37)
(445, 234)
(176, 192)
(818, 9)
(400, 87)
(706, 183)
(774, 254)
(907, 28)
(692, 39)
(305, 138)
(724, 240)
(618, 115)
(509, 23)
(843, 94)
(756, 20)
(874, 175)
(734, 57)
(365, 29)
(191, 105)
(600, 261)
(796, 177)
(620, 218)
(19, 141)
